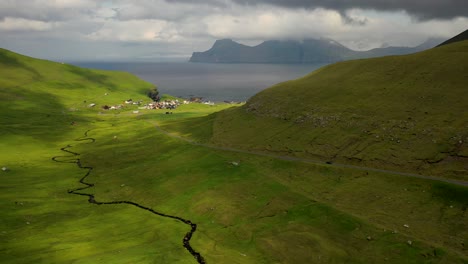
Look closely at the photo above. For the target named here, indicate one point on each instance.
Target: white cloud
(47, 10)
(147, 30)
(394, 29)
(21, 24)
(67, 3)
(273, 23)
(161, 9)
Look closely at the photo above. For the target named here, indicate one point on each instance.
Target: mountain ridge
(296, 52)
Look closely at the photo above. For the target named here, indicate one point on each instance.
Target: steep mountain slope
(289, 51)
(388, 51)
(460, 37)
(403, 112)
(22, 74)
(38, 91)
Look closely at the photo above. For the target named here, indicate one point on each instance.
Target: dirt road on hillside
(311, 161)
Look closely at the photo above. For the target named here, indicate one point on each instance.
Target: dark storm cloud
(421, 9)
(353, 21)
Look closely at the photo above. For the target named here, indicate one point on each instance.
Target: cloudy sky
(155, 30)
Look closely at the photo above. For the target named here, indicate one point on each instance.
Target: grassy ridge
(264, 210)
(402, 112)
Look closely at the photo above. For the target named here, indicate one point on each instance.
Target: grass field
(248, 208)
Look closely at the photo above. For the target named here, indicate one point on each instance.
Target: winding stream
(91, 199)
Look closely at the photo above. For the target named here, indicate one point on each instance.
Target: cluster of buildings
(167, 104)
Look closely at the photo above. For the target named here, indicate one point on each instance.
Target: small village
(154, 105)
(166, 104)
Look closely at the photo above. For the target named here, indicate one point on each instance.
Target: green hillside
(406, 113)
(39, 92)
(247, 207)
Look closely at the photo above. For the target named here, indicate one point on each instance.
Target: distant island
(293, 51)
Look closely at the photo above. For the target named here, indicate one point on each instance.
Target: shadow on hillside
(92, 76)
(37, 115)
(451, 193)
(10, 61)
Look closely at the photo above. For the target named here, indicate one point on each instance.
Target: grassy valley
(248, 207)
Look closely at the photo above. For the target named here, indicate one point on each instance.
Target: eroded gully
(72, 158)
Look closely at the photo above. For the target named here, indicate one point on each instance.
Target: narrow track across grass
(311, 161)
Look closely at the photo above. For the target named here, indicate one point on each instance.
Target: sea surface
(213, 82)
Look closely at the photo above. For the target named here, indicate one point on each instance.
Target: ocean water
(213, 82)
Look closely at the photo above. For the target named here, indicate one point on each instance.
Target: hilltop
(292, 51)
